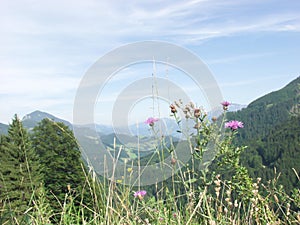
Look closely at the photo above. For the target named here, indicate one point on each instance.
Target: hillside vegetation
(253, 178)
(272, 134)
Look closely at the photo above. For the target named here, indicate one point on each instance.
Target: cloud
(36, 85)
(46, 47)
(236, 58)
(113, 22)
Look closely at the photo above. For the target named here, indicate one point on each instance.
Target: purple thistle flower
(150, 121)
(225, 104)
(234, 125)
(140, 194)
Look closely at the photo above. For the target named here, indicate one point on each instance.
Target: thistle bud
(173, 108)
(197, 113)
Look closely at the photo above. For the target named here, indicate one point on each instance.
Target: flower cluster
(234, 125)
(189, 110)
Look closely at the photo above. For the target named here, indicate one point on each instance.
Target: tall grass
(189, 196)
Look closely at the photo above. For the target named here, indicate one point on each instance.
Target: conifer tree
(61, 159)
(19, 169)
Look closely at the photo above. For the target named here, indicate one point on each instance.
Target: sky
(251, 47)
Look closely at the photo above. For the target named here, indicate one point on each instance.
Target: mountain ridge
(280, 95)
(30, 120)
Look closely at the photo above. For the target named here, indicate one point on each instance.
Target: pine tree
(61, 159)
(19, 170)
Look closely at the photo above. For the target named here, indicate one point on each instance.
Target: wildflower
(214, 119)
(197, 113)
(129, 169)
(150, 121)
(225, 105)
(234, 125)
(140, 194)
(173, 108)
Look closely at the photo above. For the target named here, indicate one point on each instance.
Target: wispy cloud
(236, 58)
(46, 47)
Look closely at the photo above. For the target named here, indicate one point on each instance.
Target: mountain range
(32, 119)
(271, 132)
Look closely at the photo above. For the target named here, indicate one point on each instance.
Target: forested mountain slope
(271, 132)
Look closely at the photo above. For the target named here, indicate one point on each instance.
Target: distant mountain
(234, 107)
(3, 128)
(166, 126)
(271, 132)
(32, 119)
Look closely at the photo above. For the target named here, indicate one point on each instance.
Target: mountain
(234, 107)
(269, 111)
(167, 125)
(290, 91)
(32, 119)
(3, 128)
(271, 132)
(279, 149)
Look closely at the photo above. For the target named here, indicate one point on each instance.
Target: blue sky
(252, 47)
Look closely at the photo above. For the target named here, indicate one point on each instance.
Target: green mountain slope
(269, 111)
(271, 132)
(279, 149)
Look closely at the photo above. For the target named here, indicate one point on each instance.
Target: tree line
(45, 161)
